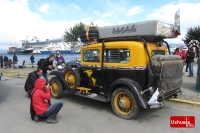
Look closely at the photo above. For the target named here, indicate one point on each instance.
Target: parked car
(130, 73)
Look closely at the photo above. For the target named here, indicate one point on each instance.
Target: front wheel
(72, 78)
(56, 88)
(124, 103)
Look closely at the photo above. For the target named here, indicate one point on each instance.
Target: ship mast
(14, 42)
(25, 42)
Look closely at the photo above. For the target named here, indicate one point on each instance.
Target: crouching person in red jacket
(40, 97)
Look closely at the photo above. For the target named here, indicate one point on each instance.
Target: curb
(12, 74)
(184, 101)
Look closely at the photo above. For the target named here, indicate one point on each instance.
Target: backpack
(39, 63)
(32, 111)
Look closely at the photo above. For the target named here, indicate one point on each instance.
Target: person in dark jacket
(190, 58)
(5, 61)
(30, 81)
(1, 61)
(32, 60)
(40, 97)
(186, 61)
(15, 60)
(46, 65)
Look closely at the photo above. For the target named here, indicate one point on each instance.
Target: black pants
(186, 69)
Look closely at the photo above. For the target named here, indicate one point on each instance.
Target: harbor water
(37, 57)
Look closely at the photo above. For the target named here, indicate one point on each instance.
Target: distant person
(30, 81)
(5, 61)
(186, 61)
(40, 97)
(181, 52)
(45, 65)
(32, 60)
(190, 56)
(15, 60)
(9, 63)
(1, 61)
(177, 49)
(59, 58)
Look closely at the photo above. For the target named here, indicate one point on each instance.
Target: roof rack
(150, 31)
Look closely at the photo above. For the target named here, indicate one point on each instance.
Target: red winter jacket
(40, 97)
(182, 54)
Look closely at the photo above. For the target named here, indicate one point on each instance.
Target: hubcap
(123, 103)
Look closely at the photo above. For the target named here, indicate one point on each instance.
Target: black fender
(60, 76)
(135, 88)
(75, 64)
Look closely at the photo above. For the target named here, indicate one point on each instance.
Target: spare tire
(83, 35)
(85, 39)
(72, 78)
(90, 31)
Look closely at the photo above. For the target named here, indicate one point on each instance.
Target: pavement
(83, 115)
(189, 95)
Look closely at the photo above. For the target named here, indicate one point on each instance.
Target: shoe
(28, 95)
(186, 71)
(189, 75)
(51, 121)
(36, 118)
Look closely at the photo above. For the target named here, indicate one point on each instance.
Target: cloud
(135, 10)
(105, 15)
(96, 12)
(122, 22)
(44, 8)
(188, 17)
(20, 22)
(75, 6)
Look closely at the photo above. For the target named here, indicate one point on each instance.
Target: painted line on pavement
(184, 101)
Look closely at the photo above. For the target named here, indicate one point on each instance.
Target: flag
(177, 23)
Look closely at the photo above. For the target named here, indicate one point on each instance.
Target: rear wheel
(124, 103)
(72, 78)
(56, 88)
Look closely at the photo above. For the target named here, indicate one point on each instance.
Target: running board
(92, 96)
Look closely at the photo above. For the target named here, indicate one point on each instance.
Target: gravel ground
(189, 83)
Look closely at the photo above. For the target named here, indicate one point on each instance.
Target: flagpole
(179, 26)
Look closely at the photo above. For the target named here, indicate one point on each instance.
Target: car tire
(90, 31)
(124, 103)
(72, 78)
(56, 88)
(90, 35)
(85, 39)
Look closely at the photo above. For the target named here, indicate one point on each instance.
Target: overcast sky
(48, 19)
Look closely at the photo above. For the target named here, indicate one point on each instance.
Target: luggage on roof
(153, 28)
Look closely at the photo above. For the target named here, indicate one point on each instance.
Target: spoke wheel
(124, 103)
(72, 78)
(56, 88)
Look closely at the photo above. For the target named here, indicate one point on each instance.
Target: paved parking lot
(81, 115)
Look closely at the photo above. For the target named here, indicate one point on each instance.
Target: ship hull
(54, 52)
(20, 52)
